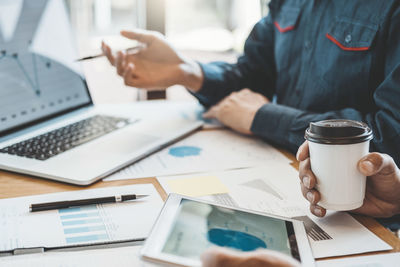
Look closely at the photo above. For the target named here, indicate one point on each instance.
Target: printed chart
(90, 224)
(38, 74)
(184, 151)
(83, 224)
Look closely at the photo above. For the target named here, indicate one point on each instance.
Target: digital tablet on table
(186, 227)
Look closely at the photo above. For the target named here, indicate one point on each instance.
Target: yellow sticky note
(197, 186)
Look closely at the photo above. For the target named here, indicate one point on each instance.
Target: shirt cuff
(273, 122)
(213, 79)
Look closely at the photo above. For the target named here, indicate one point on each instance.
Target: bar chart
(83, 224)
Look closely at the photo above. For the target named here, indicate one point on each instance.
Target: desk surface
(16, 185)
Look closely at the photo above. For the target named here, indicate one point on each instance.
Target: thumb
(376, 163)
(138, 35)
(218, 257)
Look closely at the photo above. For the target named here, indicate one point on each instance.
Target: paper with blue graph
(275, 189)
(81, 225)
(204, 151)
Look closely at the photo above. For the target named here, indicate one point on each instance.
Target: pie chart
(235, 239)
(184, 151)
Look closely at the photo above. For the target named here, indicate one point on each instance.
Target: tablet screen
(198, 226)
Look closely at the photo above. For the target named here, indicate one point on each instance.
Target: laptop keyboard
(50, 144)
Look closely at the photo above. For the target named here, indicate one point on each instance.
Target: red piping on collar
(289, 28)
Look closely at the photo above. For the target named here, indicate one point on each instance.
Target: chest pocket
(345, 54)
(285, 25)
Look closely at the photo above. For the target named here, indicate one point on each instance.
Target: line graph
(37, 70)
(33, 82)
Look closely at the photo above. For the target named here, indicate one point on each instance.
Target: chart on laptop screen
(38, 74)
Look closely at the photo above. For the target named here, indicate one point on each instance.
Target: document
(202, 152)
(197, 186)
(380, 260)
(91, 224)
(121, 257)
(274, 189)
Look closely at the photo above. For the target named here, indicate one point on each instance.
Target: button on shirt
(320, 60)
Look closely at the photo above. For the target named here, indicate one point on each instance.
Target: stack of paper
(121, 257)
(129, 220)
(275, 189)
(381, 260)
(202, 152)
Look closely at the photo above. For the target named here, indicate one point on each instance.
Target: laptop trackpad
(124, 142)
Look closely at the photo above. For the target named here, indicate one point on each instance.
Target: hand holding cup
(382, 198)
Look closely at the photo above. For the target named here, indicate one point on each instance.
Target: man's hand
(155, 64)
(222, 257)
(237, 110)
(382, 196)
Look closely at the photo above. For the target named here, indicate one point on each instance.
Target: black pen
(82, 202)
(130, 49)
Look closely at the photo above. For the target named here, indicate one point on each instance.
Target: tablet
(186, 227)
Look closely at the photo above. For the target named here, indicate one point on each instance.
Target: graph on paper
(261, 185)
(37, 70)
(84, 224)
(91, 224)
(184, 151)
(313, 230)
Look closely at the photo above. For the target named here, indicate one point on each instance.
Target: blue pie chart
(184, 151)
(235, 239)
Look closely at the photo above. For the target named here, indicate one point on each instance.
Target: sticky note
(197, 186)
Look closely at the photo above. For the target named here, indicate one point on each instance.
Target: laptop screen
(38, 73)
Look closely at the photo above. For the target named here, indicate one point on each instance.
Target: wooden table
(16, 185)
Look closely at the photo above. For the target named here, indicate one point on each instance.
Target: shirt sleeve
(255, 69)
(285, 126)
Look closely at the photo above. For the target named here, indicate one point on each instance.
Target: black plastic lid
(338, 132)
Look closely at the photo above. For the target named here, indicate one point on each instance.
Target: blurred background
(202, 29)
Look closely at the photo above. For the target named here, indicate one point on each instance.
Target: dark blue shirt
(321, 60)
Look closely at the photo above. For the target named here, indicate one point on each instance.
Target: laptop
(49, 126)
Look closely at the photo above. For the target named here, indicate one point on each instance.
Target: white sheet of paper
(381, 260)
(20, 228)
(275, 189)
(121, 257)
(201, 152)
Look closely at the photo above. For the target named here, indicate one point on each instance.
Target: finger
(235, 97)
(211, 113)
(108, 53)
(303, 151)
(209, 258)
(375, 163)
(317, 210)
(306, 175)
(119, 63)
(128, 75)
(243, 92)
(140, 36)
(218, 257)
(246, 91)
(312, 196)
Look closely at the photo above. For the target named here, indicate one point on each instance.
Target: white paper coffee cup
(336, 146)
